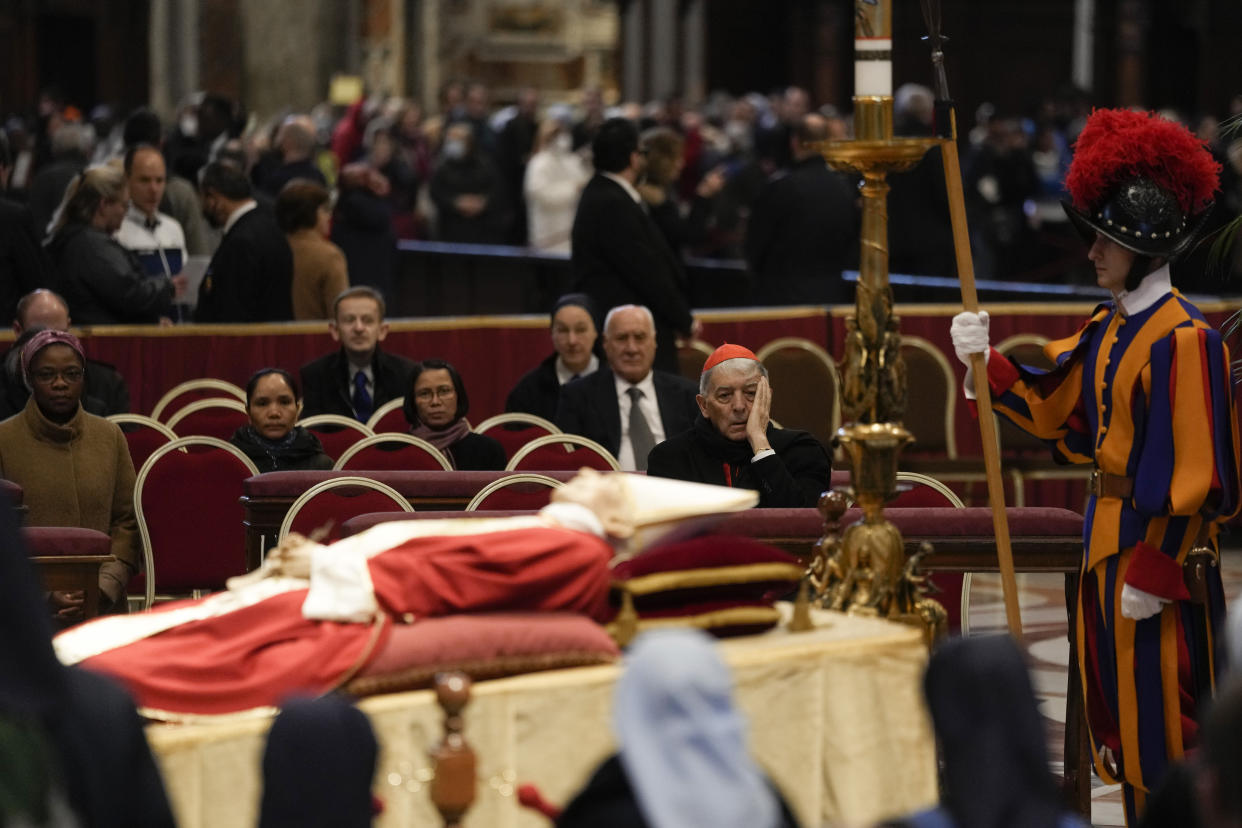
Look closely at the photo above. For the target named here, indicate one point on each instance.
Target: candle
(873, 48)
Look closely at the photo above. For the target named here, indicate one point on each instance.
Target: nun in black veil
(992, 741)
(72, 748)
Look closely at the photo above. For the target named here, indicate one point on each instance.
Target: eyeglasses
(442, 392)
(47, 376)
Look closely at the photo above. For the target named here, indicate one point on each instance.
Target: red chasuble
(254, 656)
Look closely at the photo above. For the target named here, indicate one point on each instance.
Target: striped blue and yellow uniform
(1148, 397)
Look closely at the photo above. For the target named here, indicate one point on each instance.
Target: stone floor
(1042, 601)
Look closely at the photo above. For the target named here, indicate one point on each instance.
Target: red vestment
(254, 656)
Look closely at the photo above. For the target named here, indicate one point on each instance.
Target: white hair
(619, 308)
(705, 378)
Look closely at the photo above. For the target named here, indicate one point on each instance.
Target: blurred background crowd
(471, 169)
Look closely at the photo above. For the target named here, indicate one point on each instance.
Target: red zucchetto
(727, 351)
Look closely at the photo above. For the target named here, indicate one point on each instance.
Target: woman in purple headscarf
(74, 467)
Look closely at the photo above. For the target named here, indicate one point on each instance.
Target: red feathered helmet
(1141, 180)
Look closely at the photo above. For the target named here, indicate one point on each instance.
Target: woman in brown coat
(74, 468)
(304, 212)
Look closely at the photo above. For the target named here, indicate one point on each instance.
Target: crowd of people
(733, 178)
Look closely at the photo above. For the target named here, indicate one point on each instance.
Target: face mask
(188, 125)
(563, 143)
(739, 134)
(455, 149)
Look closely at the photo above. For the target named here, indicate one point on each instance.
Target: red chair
(691, 355)
(928, 492)
(217, 418)
(188, 503)
(514, 430)
(516, 491)
(332, 502)
(389, 418)
(192, 390)
(562, 452)
(143, 434)
(336, 433)
(392, 452)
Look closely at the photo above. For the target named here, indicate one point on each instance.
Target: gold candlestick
(865, 570)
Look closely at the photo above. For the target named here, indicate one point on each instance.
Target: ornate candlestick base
(864, 571)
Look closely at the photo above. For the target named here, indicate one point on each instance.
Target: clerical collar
(625, 185)
(1155, 285)
(564, 374)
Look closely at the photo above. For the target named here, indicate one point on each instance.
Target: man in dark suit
(620, 257)
(803, 228)
(628, 408)
(358, 378)
(24, 265)
(250, 278)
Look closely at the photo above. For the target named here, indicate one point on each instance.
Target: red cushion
(700, 580)
(65, 540)
(930, 522)
(484, 645)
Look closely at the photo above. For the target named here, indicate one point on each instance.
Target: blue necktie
(362, 398)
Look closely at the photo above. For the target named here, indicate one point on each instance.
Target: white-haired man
(734, 442)
(628, 408)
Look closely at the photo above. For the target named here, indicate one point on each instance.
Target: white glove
(1137, 604)
(970, 335)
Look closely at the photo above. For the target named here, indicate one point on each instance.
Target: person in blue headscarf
(682, 760)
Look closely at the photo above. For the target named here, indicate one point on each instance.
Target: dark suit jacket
(537, 391)
(588, 406)
(23, 264)
(803, 231)
(793, 477)
(620, 257)
(102, 282)
(326, 386)
(250, 277)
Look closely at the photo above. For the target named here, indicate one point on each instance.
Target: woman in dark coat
(271, 439)
(436, 410)
(72, 738)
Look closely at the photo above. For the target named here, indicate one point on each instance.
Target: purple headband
(44, 338)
